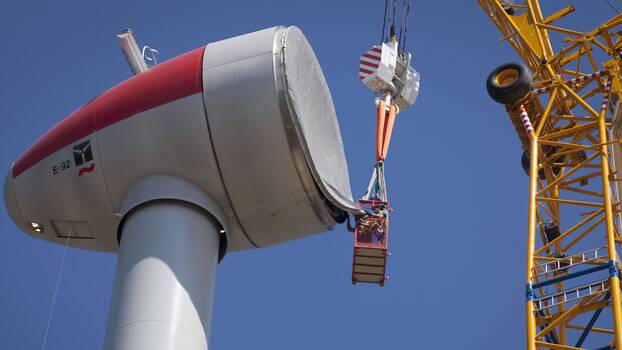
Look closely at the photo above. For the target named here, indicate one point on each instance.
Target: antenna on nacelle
(150, 54)
(132, 53)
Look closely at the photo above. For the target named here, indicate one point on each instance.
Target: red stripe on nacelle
(168, 81)
(376, 49)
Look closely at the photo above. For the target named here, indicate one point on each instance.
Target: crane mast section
(569, 126)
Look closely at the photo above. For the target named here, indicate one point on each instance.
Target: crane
(564, 102)
(386, 70)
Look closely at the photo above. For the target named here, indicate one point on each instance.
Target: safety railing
(572, 294)
(592, 256)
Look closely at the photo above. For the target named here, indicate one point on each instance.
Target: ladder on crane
(565, 107)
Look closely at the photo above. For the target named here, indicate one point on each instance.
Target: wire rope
(399, 39)
(58, 279)
(384, 21)
(613, 6)
(403, 46)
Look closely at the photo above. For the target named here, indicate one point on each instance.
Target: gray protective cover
(313, 113)
(275, 134)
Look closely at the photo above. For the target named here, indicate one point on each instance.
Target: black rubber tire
(525, 161)
(513, 91)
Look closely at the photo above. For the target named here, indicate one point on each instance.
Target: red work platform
(370, 248)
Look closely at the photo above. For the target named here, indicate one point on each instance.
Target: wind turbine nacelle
(244, 128)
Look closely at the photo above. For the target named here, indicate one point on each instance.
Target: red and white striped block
(377, 67)
(369, 62)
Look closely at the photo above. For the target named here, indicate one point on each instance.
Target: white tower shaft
(163, 291)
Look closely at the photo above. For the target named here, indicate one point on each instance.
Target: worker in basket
(372, 225)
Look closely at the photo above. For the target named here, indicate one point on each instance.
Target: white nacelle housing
(243, 128)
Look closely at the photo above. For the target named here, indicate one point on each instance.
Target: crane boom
(565, 106)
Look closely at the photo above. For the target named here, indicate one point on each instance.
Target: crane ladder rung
(572, 294)
(565, 263)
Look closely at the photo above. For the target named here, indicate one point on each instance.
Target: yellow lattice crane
(565, 106)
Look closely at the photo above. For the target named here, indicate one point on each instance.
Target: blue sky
(458, 233)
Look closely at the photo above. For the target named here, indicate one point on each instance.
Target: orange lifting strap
(384, 127)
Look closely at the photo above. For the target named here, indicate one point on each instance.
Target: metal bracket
(529, 294)
(613, 269)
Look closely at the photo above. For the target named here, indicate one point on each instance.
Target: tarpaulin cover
(311, 105)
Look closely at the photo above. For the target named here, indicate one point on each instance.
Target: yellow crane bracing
(565, 105)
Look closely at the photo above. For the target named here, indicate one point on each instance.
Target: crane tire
(508, 83)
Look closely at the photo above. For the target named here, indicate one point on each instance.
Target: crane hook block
(385, 70)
